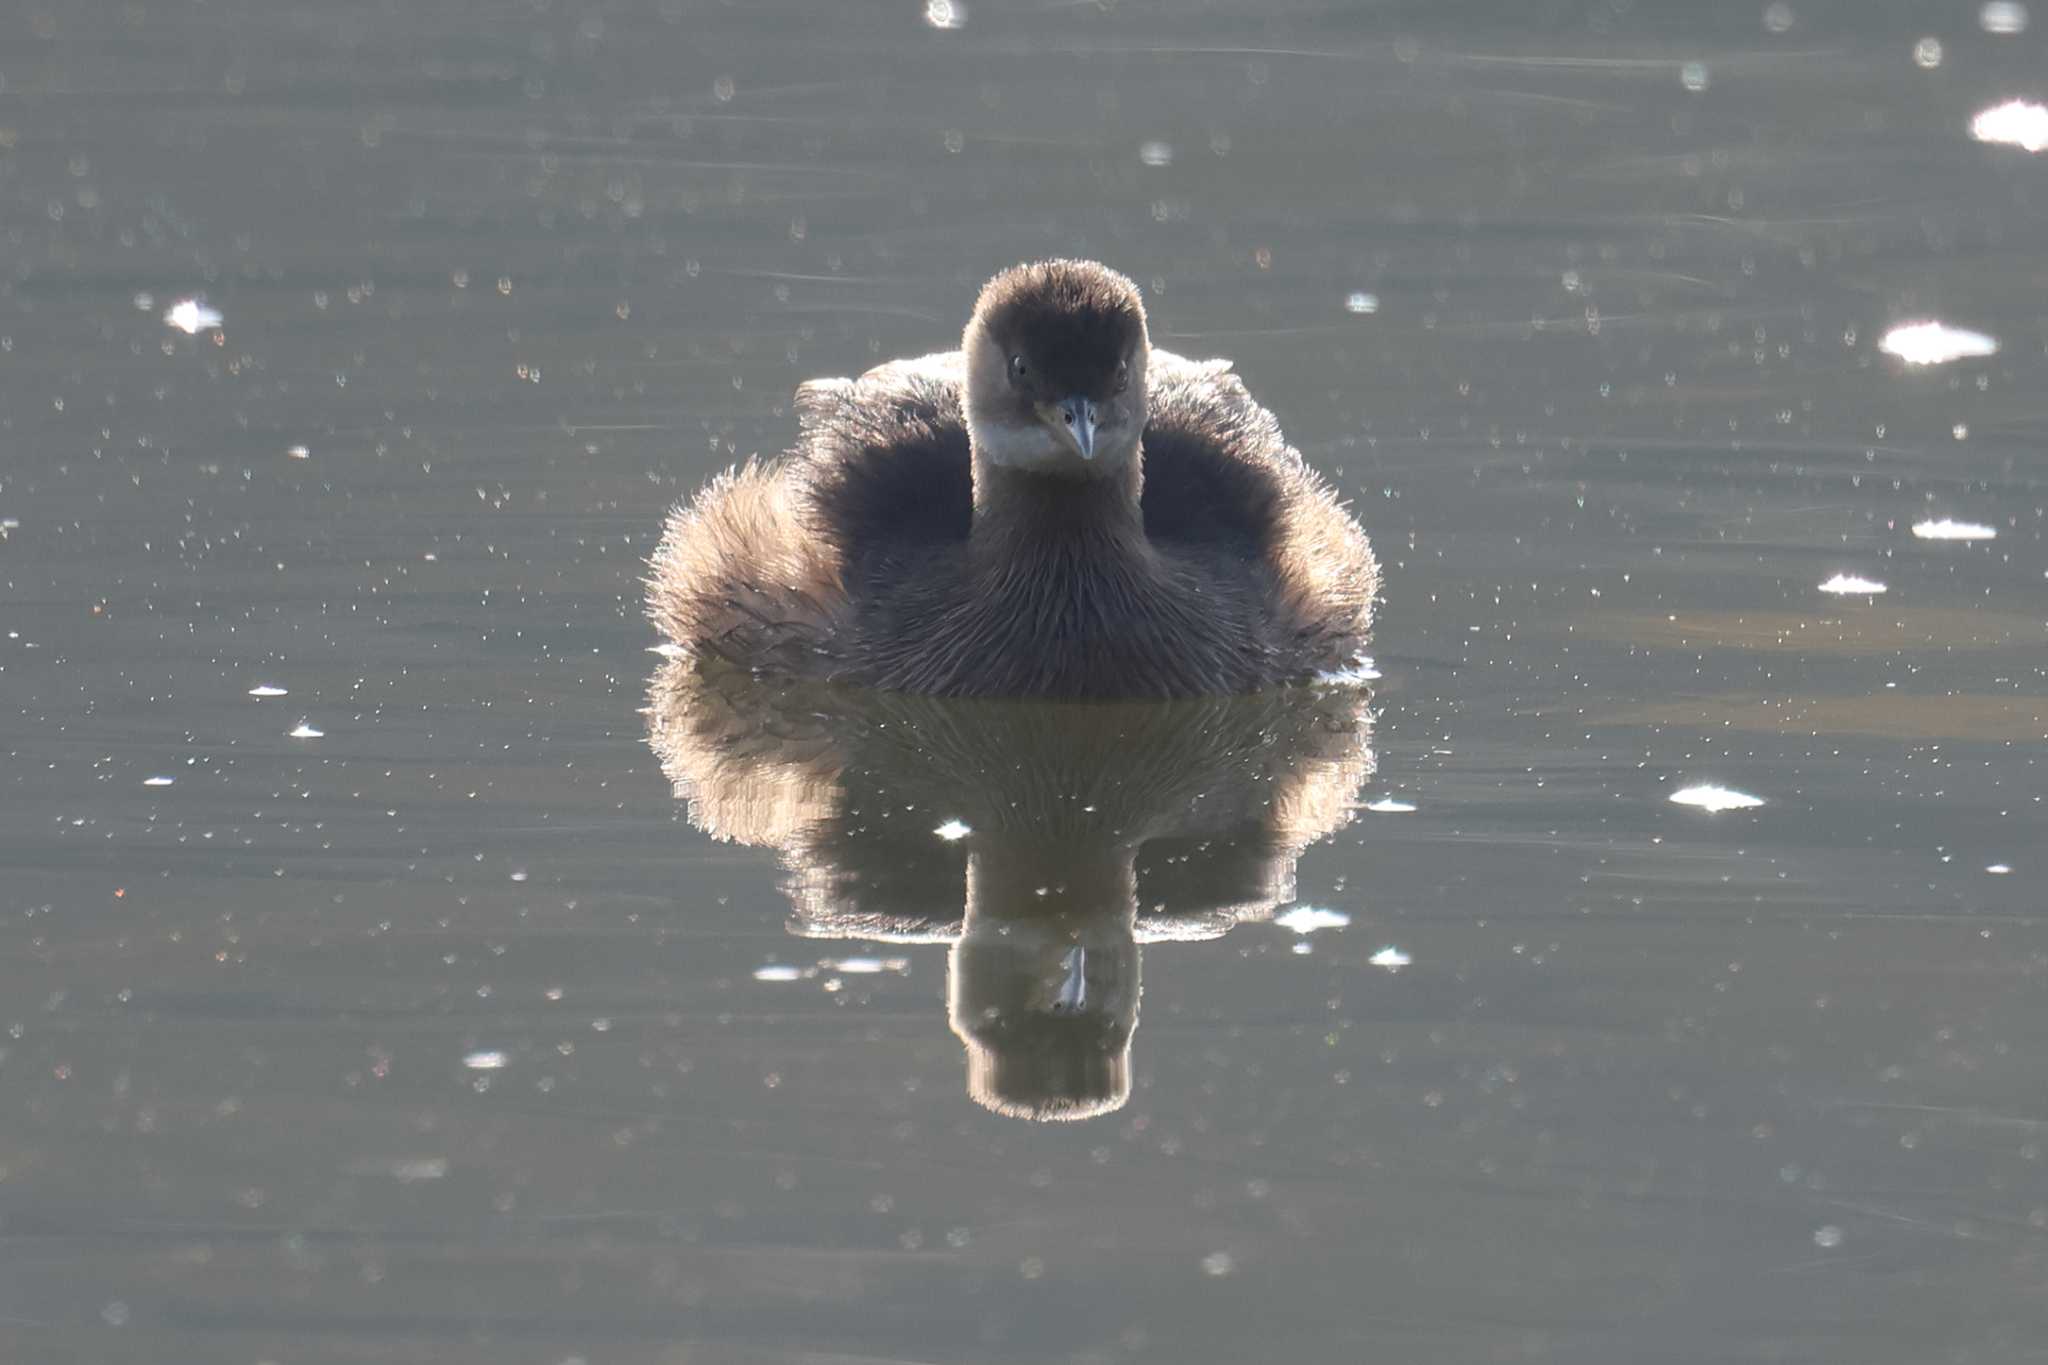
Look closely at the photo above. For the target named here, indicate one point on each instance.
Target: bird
(1057, 509)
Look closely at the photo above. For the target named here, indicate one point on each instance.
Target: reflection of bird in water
(1043, 841)
(1054, 510)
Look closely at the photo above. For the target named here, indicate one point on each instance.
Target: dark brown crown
(1073, 321)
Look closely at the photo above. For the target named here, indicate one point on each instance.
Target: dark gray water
(444, 1034)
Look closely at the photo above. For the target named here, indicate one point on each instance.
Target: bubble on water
(1694, 76)
(1948, 528)
(1156, 153)
(1927, 53)
(778, 971)
(2016, 123)
(1306, 919)
(1390, 957)
(1361, 303)
(1936, 343)
(944, 13)
(268, 690)
(304, 730)
(2003, 17)
(485, 1059)
(1848, 584)
(953, 831)
(1709, 797)
(192, 317)
(1389, 805)
(115, 1314)
(1217, 1264)
(1779, 18)
(1827, 1235)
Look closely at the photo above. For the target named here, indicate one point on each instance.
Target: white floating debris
(1306, 919)
(1217, 1264)
(778, 971)
(1390, 957)
(1709, 797)
(1948, 528)
(2016, 123)
(409, 1170)
(304, 731)
(1999, 869)
(1360, 670)
(1360, 302)
(192, 317)
(1694, 76)
(2003, 17)
(944, 13)
(1779, 18)
(268, 690)
(953, 830)
(158, 781)
(867, 966)
(1156, 153)
(485, 1060)
(298, 453)
(1935, 343)
(1927, 53)
(1849, 585)
(1827, 1235)
(1388, 805)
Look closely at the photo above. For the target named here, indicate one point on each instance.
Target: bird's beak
(1076, 417)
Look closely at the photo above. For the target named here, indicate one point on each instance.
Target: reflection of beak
(1076, 417)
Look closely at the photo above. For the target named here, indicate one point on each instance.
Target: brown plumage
(1056, 509)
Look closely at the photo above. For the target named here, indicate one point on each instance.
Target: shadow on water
(1043, 842)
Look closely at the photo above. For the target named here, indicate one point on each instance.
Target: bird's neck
(1032, 517)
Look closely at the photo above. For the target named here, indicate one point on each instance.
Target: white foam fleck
(1999, 869)
(191, 317)
(1948, 528)
(2016, 123)
(1390, 957)
(1389, 805)
(1306, 919)
(1707, 796)
(778, 971)
(1935, 343)
(953, 830)
(1848, 584)
(485, 1059)
(407, 1170)
(304, 730)
(268, 690)
(2003, 17)
(158, 781)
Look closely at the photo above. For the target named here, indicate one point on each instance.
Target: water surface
(375, 994)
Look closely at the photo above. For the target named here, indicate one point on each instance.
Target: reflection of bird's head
(1046, 1021)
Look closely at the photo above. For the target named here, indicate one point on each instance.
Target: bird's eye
(1123, 375)
(1018, 369)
